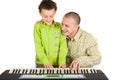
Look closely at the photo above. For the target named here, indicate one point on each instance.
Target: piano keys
(54, 74)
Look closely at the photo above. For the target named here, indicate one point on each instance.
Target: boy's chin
(48, 23)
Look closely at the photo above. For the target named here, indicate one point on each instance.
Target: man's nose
(63, 27)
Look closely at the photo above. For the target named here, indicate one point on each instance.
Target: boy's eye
(51, 16)
(45, 16)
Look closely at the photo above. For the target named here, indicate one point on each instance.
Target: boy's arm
(40, 54)
(63, 50)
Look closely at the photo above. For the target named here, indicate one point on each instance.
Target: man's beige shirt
(83, 47)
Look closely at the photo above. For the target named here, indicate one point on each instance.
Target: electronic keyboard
(54, 74)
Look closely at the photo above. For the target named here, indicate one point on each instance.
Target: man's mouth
(64, 31)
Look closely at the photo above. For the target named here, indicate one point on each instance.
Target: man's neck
(72, 35)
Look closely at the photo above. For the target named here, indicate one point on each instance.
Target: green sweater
(50, 44)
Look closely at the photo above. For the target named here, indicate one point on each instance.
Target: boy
(50, 44)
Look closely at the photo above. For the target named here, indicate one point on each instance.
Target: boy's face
(48, 15)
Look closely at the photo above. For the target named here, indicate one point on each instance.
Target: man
(82, 46)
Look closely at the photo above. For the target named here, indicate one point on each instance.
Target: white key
(11, 71)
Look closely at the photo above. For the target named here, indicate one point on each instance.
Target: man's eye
(66, 26)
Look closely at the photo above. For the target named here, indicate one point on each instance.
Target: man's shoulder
(88, 34)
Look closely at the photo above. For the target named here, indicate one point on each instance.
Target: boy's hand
(48, 66)
(62, 66)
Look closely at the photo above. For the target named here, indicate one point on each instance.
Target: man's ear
(76, 27)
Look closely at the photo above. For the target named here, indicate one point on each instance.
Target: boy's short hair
(47, 4)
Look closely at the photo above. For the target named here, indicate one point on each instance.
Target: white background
(99, 17)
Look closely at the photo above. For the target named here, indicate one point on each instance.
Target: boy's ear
(39, 13)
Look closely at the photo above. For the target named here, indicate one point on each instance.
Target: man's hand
(75, 64)
(62, 66)
(48, 66)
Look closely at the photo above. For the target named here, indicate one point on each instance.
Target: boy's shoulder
(38, 22)
(57, 24)
(37, 25)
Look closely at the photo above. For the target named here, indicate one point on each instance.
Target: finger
(63, 66)
(45, 65)
(60, 65)
(74, 66)
(50, 66)
(71, 65)
(78, 65)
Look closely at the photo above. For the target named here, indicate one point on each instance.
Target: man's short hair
(74, 15)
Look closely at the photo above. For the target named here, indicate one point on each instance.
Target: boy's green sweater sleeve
(41, 57)
(63, 50)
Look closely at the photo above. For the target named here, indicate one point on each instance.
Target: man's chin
(65, 34)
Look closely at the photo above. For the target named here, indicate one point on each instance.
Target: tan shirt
(83, 47)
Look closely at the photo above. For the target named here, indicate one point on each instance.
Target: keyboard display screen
(49, 76)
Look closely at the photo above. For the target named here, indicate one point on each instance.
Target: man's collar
(78, 34)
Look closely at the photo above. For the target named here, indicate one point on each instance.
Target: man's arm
(92, 55)
(92, 58)
(88, 54)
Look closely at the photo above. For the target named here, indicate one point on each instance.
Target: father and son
(63, 44)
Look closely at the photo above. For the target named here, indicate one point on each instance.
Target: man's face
(68, 26)
(48, 15)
